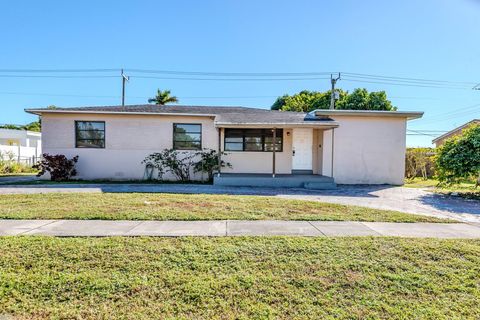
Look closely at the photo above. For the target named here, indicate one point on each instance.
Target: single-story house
(312, 149)
(439, 141)
(20, 145)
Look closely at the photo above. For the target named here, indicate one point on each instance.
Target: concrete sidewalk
(222, 228)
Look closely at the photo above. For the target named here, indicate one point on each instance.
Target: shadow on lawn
(364, 191)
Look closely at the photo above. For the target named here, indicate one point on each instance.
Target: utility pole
(124, 80)
(333, 97)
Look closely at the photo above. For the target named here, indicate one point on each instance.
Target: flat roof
(410, 115)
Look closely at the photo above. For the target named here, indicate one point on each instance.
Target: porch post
(333, 148)
(274, 142)
(219, 151)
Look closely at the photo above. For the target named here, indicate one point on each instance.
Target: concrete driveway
(410, 200)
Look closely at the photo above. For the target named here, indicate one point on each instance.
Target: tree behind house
(359, 99)
(163, 97)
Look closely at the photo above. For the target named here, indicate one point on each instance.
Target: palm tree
(163, 97)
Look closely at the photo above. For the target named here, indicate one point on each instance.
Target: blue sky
(428, 39)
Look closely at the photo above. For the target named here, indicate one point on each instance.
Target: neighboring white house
(311, 150)
(22, 145)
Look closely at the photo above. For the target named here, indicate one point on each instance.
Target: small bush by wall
(182, 164)
(59, 166)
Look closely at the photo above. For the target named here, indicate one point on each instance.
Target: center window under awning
(252, 140)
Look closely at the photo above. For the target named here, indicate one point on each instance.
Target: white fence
(26, 155)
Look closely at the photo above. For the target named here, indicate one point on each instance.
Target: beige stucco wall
(367, 150)
(129, 139)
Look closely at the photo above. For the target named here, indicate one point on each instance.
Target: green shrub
(459, 157)
(420, 162)
(8, 164)
(182, 163)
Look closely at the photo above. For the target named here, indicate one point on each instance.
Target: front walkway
(222, 228)
(410, 200)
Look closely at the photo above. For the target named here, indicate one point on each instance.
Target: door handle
(293, 152)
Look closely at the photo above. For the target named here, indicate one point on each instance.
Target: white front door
(302, 149)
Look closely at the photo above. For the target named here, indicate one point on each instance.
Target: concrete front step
(320, 185)
(279, 181)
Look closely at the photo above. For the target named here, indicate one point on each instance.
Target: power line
(230, 74)
(229, 79)
(404, 78)
(55, 77)
(181, 97)
(452, 114)
(422, 133)
(413, 82)
(351, 75)
(56, 70)
(136, 97)
(59, 95)
(408, 84)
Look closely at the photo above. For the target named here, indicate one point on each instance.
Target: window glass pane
(268, 147)
(253, 140)
(90, 125)
(90, 134)
(233, 146)
(90, 143)
(233, 140)
(187, 145)
(270, 140)
(253, 133)
(233, 133)
(192, 128)
(253, 146)
(85, 134)
(187, 137)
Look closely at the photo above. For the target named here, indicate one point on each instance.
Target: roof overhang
(305, 124)
(409, 115)
(39, 112)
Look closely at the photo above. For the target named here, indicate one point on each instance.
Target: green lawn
(156, 206)
(432, 183)
(242, 278)
(464, 189)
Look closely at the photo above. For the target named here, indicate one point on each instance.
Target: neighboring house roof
(233, 116)
(18, 133)
(456, 130)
